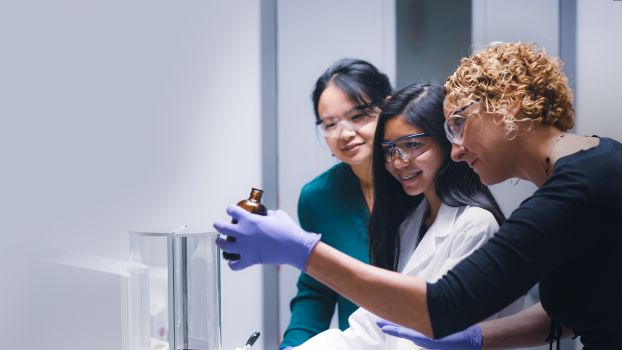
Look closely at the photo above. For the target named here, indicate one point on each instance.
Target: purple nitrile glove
(468, 339)
(271, 239)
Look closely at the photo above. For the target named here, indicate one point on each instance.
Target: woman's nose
(399, 163)
(457, 152)
(346, 134)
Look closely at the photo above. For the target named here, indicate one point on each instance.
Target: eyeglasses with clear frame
(406, 147)
(454, 125)
(352, 120)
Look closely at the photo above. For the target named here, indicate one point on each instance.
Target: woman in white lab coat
(429, 214)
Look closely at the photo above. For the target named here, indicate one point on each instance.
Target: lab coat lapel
(436, 235)
(409, 233)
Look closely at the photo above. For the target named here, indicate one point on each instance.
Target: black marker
(251, 340)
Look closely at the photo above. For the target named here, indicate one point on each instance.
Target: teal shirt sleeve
(314, 304)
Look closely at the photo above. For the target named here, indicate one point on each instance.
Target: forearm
(527, 328)
(382, 292)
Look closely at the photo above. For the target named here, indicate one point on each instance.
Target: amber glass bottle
(252, 204)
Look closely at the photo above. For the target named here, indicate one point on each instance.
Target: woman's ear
(515, 107)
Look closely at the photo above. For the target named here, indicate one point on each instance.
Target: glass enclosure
(184, 286)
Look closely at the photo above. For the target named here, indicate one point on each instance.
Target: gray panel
(269, 160)
(432, 36)
(568, 38)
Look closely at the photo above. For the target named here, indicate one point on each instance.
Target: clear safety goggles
(352, 120)
(406, 147)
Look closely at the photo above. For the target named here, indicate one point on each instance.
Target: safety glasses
(352, 120)
(454, 125)
(406, 147)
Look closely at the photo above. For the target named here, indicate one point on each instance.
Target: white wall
(508, 20)
(118, 114)
(599, 72)
(312, 34)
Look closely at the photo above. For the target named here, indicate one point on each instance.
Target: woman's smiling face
(350, 147)
(417, 175)
(484, 145)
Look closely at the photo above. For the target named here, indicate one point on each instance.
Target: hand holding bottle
(272, 239)
(468, 339)
(253, 205)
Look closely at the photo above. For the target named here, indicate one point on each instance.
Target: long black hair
(456, 184)
(361, 81)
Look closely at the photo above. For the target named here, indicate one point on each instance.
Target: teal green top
(333, 205)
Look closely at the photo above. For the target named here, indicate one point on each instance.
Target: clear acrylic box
(184, 286)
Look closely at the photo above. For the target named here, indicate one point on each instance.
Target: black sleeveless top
(568, 237)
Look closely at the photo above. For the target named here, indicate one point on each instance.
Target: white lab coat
(455, 234)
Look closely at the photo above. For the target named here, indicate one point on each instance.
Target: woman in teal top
(337, 203)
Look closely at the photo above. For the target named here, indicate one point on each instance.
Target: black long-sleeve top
(568, 237)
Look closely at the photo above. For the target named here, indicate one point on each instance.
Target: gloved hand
(271, 239)
(468, 339)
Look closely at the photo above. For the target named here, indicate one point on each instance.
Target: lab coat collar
(444, 221)
(445, 218)
(435, 236)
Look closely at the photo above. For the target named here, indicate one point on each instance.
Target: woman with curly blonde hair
(508, 111)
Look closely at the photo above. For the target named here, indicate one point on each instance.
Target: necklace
(547, 160)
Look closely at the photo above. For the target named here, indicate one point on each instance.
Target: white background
(118, 114)
(123, 114)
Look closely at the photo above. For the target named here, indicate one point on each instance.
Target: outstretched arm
(527, 328)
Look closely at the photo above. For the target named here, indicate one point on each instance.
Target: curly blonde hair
(508, 73)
